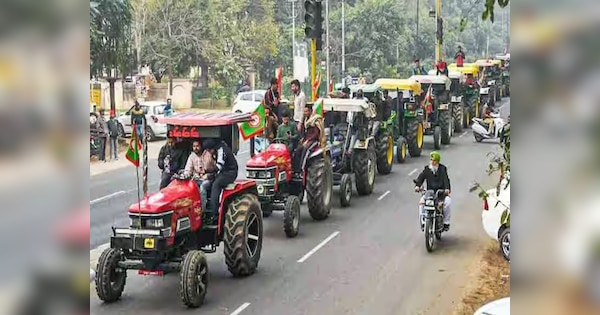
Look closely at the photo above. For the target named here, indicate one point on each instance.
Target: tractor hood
(275, 154)
(166, 199)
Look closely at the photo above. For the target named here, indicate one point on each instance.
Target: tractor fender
(363, 144)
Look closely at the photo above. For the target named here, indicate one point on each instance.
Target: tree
(110, 37)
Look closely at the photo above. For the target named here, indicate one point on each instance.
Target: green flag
(133, 152)
(318, 110)
(255, 125)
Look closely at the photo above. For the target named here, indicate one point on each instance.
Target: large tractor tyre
(414, 137)
(291, 216)
(437, 133)
(498, 93)
(385, 153)
(193, 279)
(445, 121)
(243, 235)
(110, 279)
(458, 113)
(364, 170)
(345, 190)
(401, 150)
(319, 188)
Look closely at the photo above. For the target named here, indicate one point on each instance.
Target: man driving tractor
(288, 130)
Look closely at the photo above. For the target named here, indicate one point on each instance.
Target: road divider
(383, 196)
(412, 172)
(314, 250)
(240, 309)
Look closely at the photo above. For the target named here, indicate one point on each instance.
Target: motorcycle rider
(487, 118)
(436, 176)
(227, 171)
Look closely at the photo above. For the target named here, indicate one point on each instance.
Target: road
(369, 258)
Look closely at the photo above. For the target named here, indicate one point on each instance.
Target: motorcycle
(481, 129)
(434, 216)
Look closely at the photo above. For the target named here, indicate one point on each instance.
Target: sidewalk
(97, 167)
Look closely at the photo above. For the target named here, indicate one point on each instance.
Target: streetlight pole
(343, 40)
(293, 2)
(327, 42)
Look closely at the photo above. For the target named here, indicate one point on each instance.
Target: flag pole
(145, 166)
(135, 139)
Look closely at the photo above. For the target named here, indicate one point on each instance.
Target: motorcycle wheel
(429, 235)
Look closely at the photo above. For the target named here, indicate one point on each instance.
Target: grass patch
(490, 281)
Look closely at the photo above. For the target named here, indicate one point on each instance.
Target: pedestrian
(103, 135)
(460, 57)
(168, 108)
(138, 119)
(113, 130)
(299, 102)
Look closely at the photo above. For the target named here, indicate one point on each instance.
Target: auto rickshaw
(406, 118)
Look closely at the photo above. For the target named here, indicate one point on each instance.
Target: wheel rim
(296, 217)
(506, 245)
(390, 150)
(148, 133)
(420, 135)
(327, 189)
(253, 236)
(371, 167)
(348, 192)
(403, 150)
(430, 239)
(201, 278)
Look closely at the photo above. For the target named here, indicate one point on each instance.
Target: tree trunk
(111, 91)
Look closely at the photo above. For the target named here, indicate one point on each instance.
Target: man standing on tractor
(418, 69)
(346, 92)
(436, 176)
(441, 68)
(460, 57)
(272, 99)
(299, 101)
(227, 171)
(138, 119)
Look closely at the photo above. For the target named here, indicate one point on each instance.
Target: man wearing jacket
(227, 171)
(436, 176)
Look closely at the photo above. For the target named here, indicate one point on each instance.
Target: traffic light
(313, 17)
(440, 29)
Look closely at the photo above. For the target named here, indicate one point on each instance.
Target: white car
(247, 102)
(498, 307)
(153, 111)
(491, 216)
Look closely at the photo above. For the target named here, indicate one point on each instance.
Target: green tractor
(406, 117)
(438, 120)
(456, 97)
(384, 140)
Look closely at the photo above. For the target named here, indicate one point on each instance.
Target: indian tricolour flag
(135, 145)
(255, 125)
(318, 108)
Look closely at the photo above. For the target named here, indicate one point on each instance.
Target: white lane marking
(464, 133)
(383, 196)
(240, 309)
(314, 250)
(412, 172)
(108, 197)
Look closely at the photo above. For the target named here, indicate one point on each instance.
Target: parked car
(246, 102)
(498, 307)
(153, 110)
(491, 216)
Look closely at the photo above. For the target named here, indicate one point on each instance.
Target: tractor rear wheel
(243, 235)
(385, 153)
(319, 188)
(457, 113)
(445, 121)
(414, 137)
(364, 169)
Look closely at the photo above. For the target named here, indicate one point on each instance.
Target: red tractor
(280, 189)
(167, 232)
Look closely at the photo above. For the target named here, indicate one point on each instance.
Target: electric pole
(440, 30)
(327, 43)
(293, 2)
(343, 41)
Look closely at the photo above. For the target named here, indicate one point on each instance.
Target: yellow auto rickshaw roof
(484, 63)
(400, 84)
(467, 68)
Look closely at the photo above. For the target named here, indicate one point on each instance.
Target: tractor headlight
(265, 174)
(251, 174)
(155, 223)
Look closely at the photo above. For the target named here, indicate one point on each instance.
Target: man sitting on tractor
(306, 112)
(202, 168)
(227, 171)
(313, 133)
(288, 130)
